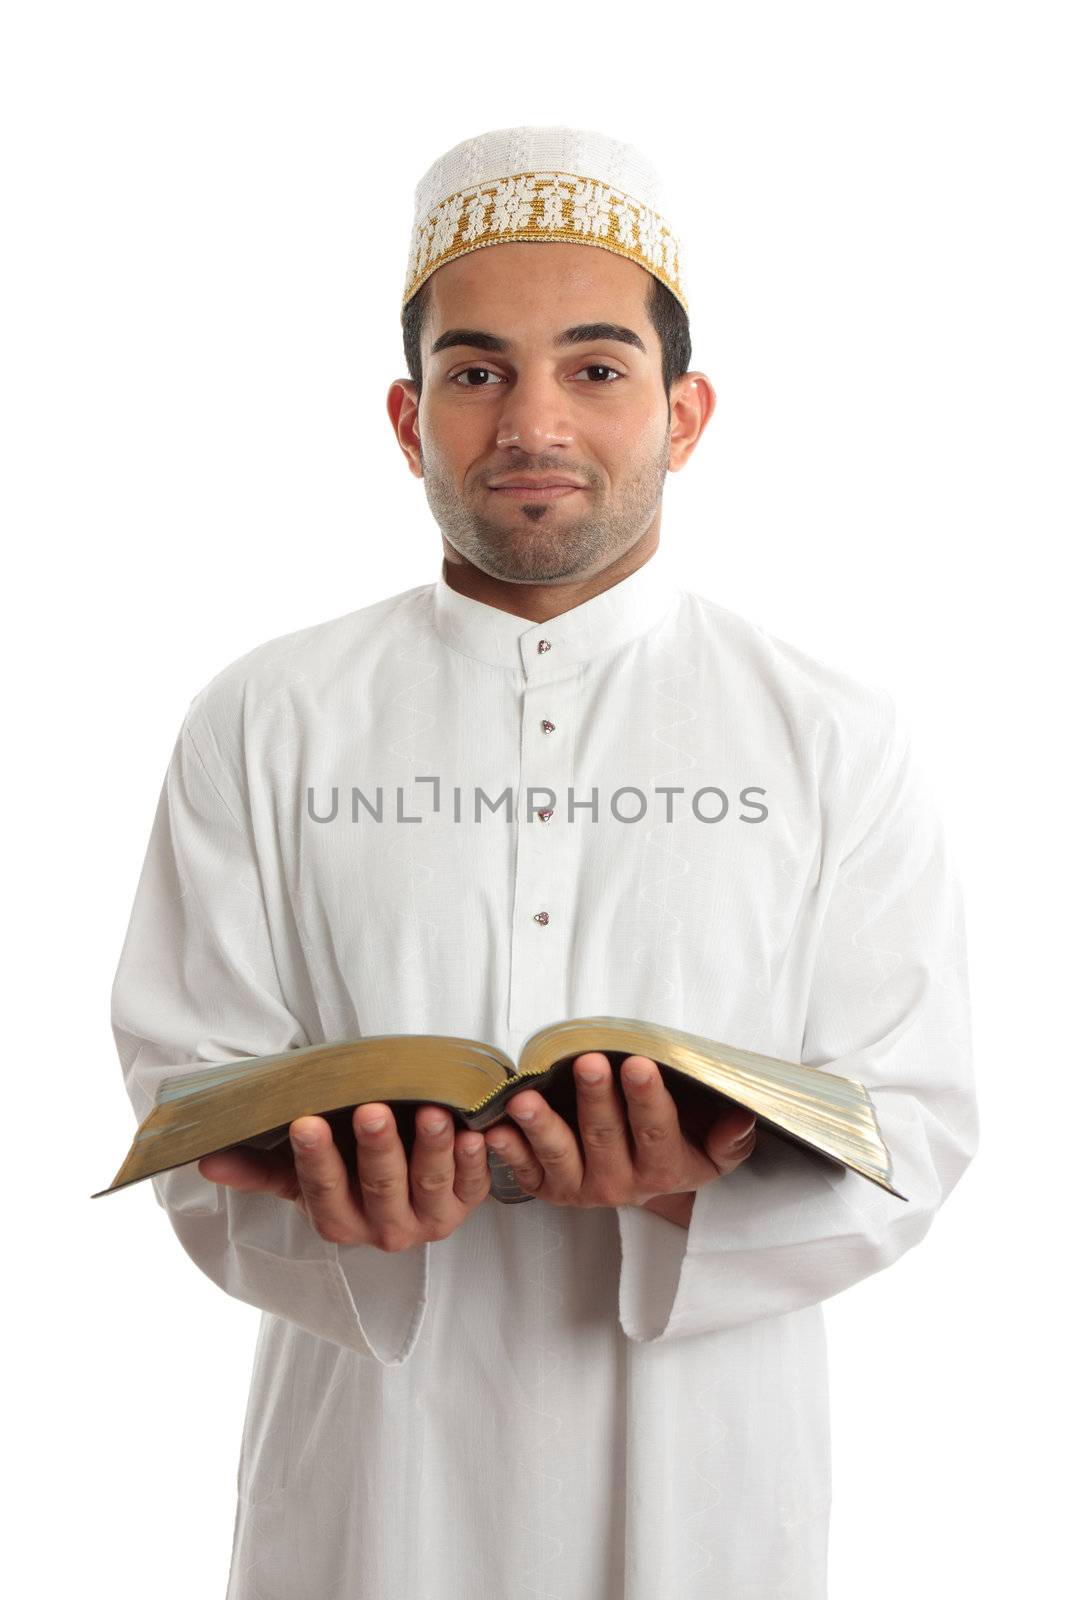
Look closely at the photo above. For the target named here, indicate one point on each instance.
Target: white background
(206, 212)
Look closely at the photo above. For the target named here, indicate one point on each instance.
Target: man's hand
(382, 1203)
(632, 1150)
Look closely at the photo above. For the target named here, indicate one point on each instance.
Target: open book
(254, 1099)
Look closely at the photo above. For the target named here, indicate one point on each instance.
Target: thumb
(254, 1171)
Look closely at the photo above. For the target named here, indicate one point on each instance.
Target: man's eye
(484, 371)
(599, 366)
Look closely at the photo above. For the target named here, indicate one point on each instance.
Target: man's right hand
(382, 1203)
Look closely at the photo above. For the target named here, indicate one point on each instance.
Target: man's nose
(534, 417)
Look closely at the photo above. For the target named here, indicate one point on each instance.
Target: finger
(382, 1164)
(472, 1182)
(604, 1126)
(546, 1142)
(661, 1154)
(731, 1139)
(326, 1196)
(442, 1172)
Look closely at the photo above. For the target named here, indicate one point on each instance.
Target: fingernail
(743, 1135)
(496, 1141)
(523, 1116)
(637, 1075)
(431, 1127)
(305, 1141)
(589, 1074)
(373, 1124)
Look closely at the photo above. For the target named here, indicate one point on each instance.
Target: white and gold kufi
(534, 184)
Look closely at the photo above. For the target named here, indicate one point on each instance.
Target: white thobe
(587, 1404)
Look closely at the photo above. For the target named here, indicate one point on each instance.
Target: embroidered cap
(527, 184)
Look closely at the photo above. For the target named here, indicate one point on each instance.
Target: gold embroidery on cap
(544, 205)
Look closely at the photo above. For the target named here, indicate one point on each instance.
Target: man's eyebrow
(584, 333)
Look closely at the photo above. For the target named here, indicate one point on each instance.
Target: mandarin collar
(609, 619)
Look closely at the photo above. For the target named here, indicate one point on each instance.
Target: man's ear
(692, 403)
(402, 404)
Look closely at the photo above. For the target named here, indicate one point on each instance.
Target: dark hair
(665, 312)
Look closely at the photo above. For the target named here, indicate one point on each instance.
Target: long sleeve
(197, 982)
(888, 1005)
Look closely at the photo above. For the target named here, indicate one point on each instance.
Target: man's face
(538, 406)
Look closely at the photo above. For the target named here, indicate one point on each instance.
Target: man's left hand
(632, 1148)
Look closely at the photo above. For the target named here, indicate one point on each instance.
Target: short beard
(526, 551)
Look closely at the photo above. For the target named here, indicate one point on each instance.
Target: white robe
(582, 1404)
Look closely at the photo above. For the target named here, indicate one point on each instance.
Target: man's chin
(527, 551)
(542, 572)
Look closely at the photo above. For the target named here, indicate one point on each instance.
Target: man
(551, 783)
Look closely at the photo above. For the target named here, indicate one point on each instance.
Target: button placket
(544, 856)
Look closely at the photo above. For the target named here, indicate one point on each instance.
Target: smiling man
(544, 451)
(584, 1355)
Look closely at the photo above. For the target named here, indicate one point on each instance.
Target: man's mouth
(551, 491)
